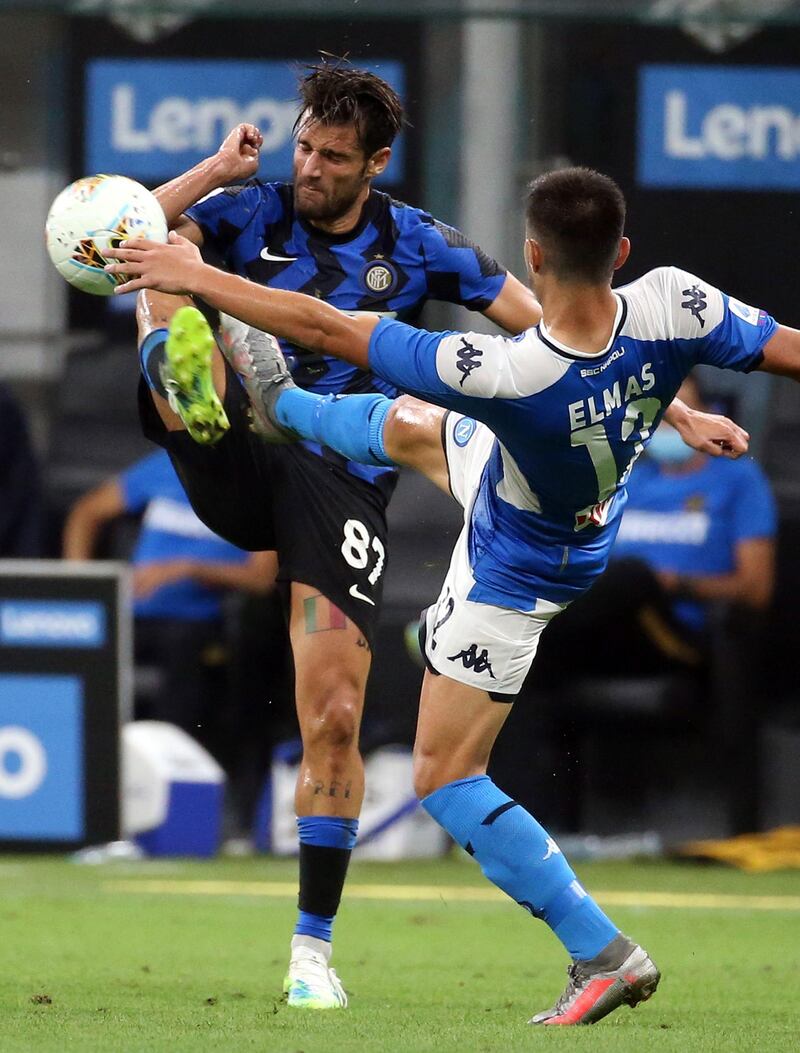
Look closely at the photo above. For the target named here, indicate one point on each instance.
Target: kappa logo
(469, 359)
(471, 659)
(696, 301)
(552, 850)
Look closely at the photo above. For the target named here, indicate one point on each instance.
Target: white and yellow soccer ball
(93, 214)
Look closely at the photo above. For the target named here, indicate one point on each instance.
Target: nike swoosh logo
(357, 594)
(265, 254)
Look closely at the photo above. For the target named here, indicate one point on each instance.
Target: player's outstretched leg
(369, 428)
(259, 361)
(515, 852)
(185, 371)
(350, 424)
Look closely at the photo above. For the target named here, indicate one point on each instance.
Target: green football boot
(187, 379)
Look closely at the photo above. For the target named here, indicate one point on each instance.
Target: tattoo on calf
(320, 615)
(332, 789)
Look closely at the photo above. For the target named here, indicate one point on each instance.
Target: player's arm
(444, 368)
(236, 159)
(709, 433)
(782, 353)
(178, 268)
(87, 518)
(750, 583)
(515, 308)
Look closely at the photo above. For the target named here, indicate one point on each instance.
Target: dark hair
(579, 216)
(338, 93)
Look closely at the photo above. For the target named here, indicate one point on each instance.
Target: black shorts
(327, 525)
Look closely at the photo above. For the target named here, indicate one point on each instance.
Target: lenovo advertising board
(153, 118)
(65, 675)
(719, 127)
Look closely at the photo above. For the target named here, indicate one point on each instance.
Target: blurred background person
(20, 496)
(181, 575)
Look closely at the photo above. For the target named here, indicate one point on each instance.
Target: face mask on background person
(667, 447)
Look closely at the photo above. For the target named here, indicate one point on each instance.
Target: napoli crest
(379, 277)
(464, 430)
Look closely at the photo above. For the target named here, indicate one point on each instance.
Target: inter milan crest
(379, 277)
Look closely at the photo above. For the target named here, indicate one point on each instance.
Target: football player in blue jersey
(564, 409)
(331, 235)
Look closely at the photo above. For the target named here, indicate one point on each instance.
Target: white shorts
(487, 647)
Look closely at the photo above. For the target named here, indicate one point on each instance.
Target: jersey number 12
(595, 439)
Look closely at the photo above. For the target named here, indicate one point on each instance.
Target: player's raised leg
(332, 660)
(182, 366)
(368, 428)
(457, 727)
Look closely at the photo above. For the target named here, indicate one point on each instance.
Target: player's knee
(154, 310)
(334, 726)
(430, 773)
(411, 427)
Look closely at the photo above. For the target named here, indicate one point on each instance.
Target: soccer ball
(93, 214)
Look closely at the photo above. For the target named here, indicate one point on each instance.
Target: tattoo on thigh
(320, 615)
(332, 789)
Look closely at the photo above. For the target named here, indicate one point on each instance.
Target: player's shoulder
(410, 218)
(407, 218)
(671, 303)
(510, 367)
(274, 198)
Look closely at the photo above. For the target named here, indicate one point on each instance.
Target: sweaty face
(329, 171)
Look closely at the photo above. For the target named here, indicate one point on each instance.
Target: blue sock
(517, 854)
(151, 355)
(350, 424)
(326, 842)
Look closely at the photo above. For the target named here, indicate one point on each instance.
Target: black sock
(322, 875)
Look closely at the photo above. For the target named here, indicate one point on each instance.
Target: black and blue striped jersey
(395, 259)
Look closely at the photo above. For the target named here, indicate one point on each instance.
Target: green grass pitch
(182, 956)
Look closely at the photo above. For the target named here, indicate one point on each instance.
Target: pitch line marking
(456, 893)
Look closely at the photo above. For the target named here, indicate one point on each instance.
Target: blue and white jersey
(568, 426)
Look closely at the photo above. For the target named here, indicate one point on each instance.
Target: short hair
(579, 216)
(338, 93)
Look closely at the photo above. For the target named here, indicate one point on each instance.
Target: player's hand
(712, 433)
(239, 152)
(168, 268)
